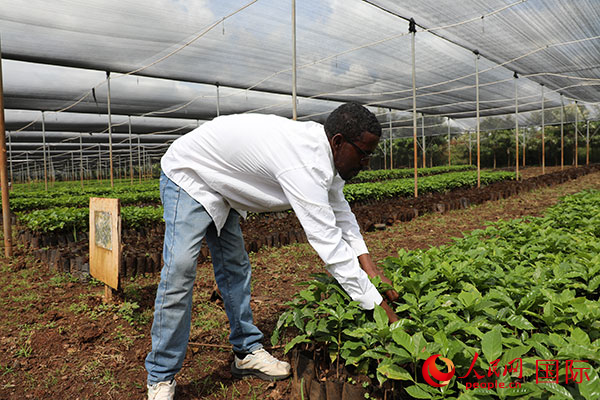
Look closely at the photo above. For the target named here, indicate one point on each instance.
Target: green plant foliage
(127, 195)
(515, 289)
(429, 184)
(69, 219)
(387, 174)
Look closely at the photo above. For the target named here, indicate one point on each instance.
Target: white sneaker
(260, 364)
(162, 391)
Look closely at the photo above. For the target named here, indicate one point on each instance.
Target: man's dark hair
(352, 120)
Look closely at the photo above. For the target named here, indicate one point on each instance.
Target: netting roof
(189, 60)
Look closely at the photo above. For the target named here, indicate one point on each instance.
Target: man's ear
(337, 140)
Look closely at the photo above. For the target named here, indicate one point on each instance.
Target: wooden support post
(4, 174)
(108, 294)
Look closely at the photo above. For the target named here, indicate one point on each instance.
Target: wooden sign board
(105, 240)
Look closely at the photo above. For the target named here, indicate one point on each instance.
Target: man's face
(350, 157)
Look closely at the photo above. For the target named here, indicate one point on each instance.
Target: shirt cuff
(369, 299)
(358, 246)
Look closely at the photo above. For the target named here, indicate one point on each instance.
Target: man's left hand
(367, 264)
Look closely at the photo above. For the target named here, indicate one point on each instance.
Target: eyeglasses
(365, 156)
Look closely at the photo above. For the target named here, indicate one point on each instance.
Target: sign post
(105, 243)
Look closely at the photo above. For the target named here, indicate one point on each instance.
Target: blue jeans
(186, 223)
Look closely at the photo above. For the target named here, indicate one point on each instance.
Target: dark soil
(60, 341)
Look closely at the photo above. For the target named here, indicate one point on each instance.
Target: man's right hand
(390, 313)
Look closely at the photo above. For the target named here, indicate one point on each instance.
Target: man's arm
(367, 264)
(308, 193)
(346, 220)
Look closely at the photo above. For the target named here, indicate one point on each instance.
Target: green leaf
(519, 322)
(491, 344)
(403, 339)
(590, 390)
(295, 341)
(417, 393)
(394, 371)
(381, 318)
(578, 336)
(513, 353)
(557, 389)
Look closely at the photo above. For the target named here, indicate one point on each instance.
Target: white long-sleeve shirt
(259, 163)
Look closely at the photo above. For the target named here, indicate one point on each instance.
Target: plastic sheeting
(181, 53)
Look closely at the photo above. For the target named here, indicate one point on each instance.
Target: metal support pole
(3, 175)
(10, 158)
(27, 164)
(73, 165)
(587, 144)
(391, 150)
(448, 123)
(412, 29)
(477, 114)
(112, 184)
(218, 105)
(52, 171)
(516, 127)
(99, 162)
(562, 137)
(470, 157)
(423, 136)
(44, 151)
(139, 159)
(576, 133)
(294, 107)
(384, 155)
(523, 144)
(131, 146)
(81, 159)
(543, 135)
